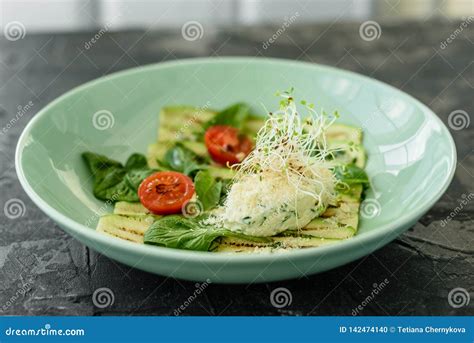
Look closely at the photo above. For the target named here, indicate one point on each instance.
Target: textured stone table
(45, 271)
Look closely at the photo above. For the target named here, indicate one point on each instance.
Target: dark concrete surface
(44, 271)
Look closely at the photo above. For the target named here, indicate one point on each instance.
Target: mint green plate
(411, 153)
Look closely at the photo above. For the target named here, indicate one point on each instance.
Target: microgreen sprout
(295, 147)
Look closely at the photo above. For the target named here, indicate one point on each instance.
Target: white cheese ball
(266, 204)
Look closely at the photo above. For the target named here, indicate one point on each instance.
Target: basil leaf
(208, 189)
(183, 160)
(99, 163)
(111, 186)
(136, 161)
(114, 182)
(180, 233)
(351, 174)
(185, 233)
(135, 177)
(234, 115)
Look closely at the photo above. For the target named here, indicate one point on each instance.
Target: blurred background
(79, 15)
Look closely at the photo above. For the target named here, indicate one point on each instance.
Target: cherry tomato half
(165, 192)
(226, 145)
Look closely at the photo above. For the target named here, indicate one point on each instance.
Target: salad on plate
(231, 181)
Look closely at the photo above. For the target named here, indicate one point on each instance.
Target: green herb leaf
(351, 174)
(183, 160)
(136, 161)
(180, 233)
(98, 163)
(185, 233)
(208, 189)
(110, 185)
(234, 115)
(114, 182)
(135, 177)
